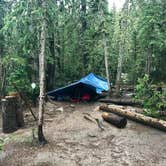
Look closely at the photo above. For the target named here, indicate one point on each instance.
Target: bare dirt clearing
(75, 141)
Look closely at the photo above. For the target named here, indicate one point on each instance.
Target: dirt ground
(75, 141)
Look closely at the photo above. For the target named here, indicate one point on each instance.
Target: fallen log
(116, 120)
(121, 102)
(153, 122)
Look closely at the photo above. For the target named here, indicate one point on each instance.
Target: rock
(51, 109)
(60, 109)
(72, 106)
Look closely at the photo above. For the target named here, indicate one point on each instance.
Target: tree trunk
(135, 57)
(35, 77)
(156, 123)
(51, 67)
(41, 137)
(58, 48)
(149, 60)
(106, 62)
(119, 68)
(123, 23)
(84, 51)
(3, 81)
(83, 14)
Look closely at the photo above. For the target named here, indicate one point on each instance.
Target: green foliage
(143, 90)
(17, 73)
(2, 143)
(29, 140)
(153, 100)
(72, 52)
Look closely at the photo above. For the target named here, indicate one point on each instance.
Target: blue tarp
(90, 84)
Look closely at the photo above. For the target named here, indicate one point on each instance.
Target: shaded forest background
(76, 31)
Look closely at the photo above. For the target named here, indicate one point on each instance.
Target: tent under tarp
(86, 88)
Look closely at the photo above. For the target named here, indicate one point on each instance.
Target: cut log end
(116, 120)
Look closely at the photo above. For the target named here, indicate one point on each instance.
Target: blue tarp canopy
(90, 84)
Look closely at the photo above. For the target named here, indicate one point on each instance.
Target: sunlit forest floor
(75, 141)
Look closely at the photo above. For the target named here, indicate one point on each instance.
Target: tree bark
(153, 122)
(9, 108)
(41, 137)
(104, 39)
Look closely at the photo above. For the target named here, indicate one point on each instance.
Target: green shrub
(153, 99)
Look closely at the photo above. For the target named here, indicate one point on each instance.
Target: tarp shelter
(88, 87)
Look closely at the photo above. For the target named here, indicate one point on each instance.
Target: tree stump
(12, 115)
(19, 115)
(9, 107)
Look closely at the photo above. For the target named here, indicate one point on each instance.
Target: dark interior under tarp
(86, 89)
